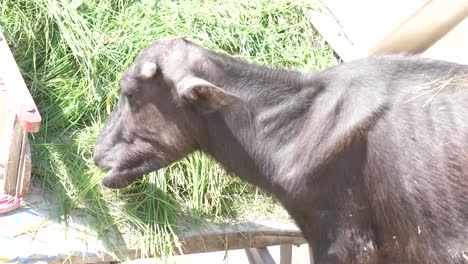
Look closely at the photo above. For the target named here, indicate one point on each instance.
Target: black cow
(369, 157)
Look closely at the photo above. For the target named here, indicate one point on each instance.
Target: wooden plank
(22, 102)
(7, 119)
(453, 46)
(355, 28)
(14, 158)
(424, 28)
(25, 169)
(331, 31)
(259, 256)
(126, 254)
(15, 154)
(18, 116)
(285, 254)
(237, 240)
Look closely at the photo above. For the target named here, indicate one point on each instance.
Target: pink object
(9, 203)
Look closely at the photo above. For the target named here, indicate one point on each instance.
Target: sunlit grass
(72, 53)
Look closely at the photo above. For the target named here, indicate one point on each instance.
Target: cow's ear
(204, 95)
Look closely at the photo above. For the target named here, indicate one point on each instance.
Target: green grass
(72, 53)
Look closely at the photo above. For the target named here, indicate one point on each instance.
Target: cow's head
(159, 115)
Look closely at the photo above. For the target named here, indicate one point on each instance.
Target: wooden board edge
(327, 26)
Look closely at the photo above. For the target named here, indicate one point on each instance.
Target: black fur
(369, 157)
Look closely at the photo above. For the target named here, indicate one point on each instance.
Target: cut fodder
(432, 88)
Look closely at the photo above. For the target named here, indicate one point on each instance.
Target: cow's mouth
(108, 176)
(117, 178)
(122, 172)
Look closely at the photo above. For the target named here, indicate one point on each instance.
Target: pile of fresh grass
(71, 54)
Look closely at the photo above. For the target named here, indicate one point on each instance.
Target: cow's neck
(258, 138)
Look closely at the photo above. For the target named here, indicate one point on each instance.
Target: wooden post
(285, 254)
(425, 27)
(14, 158)
(259, 256)
(311, 255)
